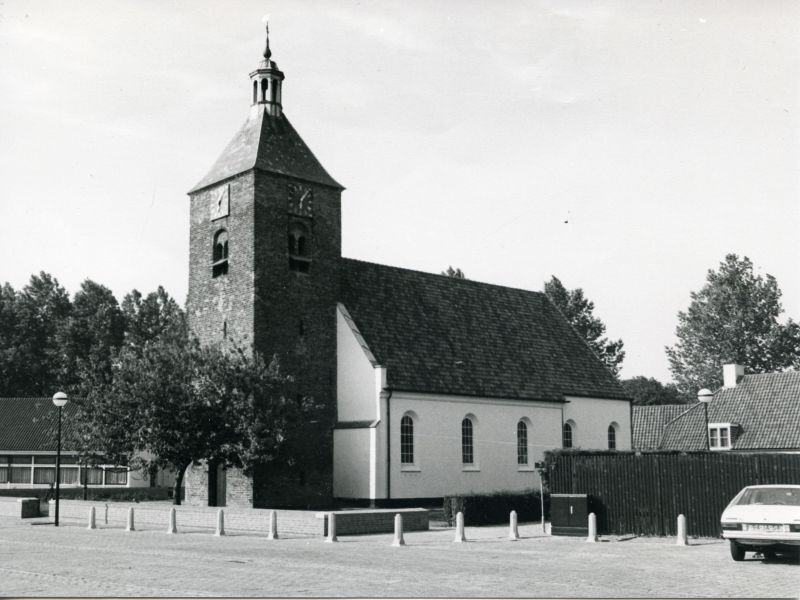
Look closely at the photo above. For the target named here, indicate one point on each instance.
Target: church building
(431, 385)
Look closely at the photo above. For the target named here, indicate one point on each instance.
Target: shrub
(493, 509)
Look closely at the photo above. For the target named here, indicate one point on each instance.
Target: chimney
(731, 375)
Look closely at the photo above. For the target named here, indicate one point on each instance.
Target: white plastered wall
(591, 418)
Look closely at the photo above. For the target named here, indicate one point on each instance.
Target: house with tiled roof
(750, 413)
(28, 446)
(430, 385)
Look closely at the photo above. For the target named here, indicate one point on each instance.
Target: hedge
(493, 509)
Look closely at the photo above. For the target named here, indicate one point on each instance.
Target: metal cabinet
(569, 514)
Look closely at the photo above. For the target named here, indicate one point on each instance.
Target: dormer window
(219, 254)
(298, 240)
(720, 436)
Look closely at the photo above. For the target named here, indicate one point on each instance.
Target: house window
(612, 436)
(467, 442)
(118, 476)
(219, 254)
(567, 434)
(719, 436)
(407, 440)
(522, 443)
(298, 247)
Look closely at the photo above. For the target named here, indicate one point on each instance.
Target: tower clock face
(301, 200)
(220, 202)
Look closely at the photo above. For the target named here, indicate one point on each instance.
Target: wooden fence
(643, 493)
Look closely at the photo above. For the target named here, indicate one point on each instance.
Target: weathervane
(267, 51)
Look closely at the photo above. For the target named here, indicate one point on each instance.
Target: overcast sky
(625, 147)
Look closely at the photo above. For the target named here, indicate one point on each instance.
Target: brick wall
(359, 522)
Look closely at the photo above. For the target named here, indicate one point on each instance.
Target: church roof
(267, 143)
(443, 335)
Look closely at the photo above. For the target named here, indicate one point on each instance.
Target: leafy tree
(92, 334)
(454, 273)
(36, 354)
(578, 310)
(173, 402)
(151, 317)
(732, 319)
(648, 391)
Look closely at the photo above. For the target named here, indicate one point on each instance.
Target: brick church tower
(265, 250)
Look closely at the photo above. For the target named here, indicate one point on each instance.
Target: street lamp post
(60, 400)
(705, 396)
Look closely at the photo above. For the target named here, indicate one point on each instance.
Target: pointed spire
(267, 51)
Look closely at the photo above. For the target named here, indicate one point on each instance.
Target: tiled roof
(30, 424)
(649, 421)
(766, 408)
(444, 335)
(269, 144)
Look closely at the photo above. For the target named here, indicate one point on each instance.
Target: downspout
(388, 447)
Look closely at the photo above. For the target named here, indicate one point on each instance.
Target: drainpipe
(388, 447)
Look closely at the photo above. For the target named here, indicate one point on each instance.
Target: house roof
(30, 424)
(766, 408)
(438, 334)
(649, 421)
(269, 144)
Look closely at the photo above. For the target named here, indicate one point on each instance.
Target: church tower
(265, 248)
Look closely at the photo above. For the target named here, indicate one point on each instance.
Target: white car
(763, 518)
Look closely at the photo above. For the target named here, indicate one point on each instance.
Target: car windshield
(779, 495)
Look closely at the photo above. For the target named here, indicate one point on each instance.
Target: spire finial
(267, 51)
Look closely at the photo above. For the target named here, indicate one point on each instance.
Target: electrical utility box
(569, 514)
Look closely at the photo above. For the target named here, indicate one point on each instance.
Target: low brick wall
(24, 508)
(359, 522)
(291, 522)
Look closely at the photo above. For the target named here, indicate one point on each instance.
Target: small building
(28, 446)
(750, 413)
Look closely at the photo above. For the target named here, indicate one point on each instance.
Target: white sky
(466, 133)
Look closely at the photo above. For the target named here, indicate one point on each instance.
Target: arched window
(612, 436)
(264, 85)
(219, 254)
(567, 434)
(255, 92)
(297, 239)
(467, 442)
(522, 443)
(407, 440)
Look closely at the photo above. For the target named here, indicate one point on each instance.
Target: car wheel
(770, 555)
(737, 552)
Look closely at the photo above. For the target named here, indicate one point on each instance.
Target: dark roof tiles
(444, 335)
(30, 424)
(269, 144)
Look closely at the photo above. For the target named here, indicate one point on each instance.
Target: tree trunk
(176, 491)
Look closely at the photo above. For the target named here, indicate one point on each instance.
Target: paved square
(40, 560)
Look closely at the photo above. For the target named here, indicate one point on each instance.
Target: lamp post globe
(704, 396)
(60, 400)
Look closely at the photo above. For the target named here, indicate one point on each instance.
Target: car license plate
(769, 527)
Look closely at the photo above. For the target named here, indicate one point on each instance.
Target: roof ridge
(460, 281)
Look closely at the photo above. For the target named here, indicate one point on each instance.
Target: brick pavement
(40, 560)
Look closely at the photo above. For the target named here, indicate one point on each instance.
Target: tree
(151, 317)
(647, 391)
(732, 319)
(172, 403)
(578, 310)
(454, 273)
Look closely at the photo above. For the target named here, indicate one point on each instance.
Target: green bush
(111, 494)
(493, 509)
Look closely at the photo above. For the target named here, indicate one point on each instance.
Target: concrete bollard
(172, 527)
(106, 516)
(683, 539)
(272, 533)
(592, 537)
(129, 526)
(91, 519)
(398, 531)
(460, 537)
(331, 528)
(513, 530)
(220, 523)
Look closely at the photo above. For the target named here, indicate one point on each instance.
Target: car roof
(773, 485)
